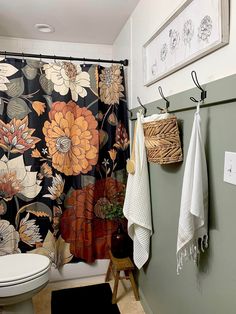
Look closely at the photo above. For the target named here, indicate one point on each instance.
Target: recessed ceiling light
(44, 28)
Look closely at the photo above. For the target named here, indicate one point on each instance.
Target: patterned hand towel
(137, 208)
(193, 219)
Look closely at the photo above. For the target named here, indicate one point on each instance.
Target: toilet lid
(15, 267)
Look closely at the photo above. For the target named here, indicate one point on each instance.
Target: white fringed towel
(193, 219)
(137, 207)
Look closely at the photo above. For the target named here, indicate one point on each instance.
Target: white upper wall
(56, 48)
(121, 51)
(146, 19)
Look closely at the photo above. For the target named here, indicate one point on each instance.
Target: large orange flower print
(86, 222)
(76, 225)
(72, 138)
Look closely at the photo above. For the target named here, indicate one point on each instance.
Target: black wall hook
(130, 113)
(163, 97)
(195, 81)
(144, 108)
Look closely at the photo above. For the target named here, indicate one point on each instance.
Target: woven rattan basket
(162, 141)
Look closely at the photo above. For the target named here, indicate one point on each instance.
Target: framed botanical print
(194, 30)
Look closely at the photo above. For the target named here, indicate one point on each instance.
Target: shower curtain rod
(40, 56)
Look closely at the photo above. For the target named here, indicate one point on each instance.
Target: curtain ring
(23, 57)
(5, 56)
(84, 63)
(70, 59)
(55, 61)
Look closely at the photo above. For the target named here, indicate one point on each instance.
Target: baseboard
(79, 281)
(144, 303)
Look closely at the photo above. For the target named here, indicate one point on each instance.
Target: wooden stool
(117, 265)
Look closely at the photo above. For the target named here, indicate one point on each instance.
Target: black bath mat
(84, 300)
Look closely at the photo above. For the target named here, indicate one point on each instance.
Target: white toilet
(21, 277)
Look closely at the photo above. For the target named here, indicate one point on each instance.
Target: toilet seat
(19, 268)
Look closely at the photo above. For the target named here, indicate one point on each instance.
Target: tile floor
(126, 300)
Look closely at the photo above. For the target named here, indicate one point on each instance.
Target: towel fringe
(191, 251)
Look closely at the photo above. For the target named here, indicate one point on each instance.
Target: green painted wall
(211, 287)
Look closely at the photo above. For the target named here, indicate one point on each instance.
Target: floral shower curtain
(63, 148)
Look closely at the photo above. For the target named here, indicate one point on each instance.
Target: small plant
(113, 211)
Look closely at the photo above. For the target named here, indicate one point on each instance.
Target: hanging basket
(162, 141)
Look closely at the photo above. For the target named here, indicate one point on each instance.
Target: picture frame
(194, 30)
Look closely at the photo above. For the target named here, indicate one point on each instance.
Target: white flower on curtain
(17, 179)
(29, 231)
(56, 249)
(9, 238)
(68, 76)
(6, 70)
(57, 188)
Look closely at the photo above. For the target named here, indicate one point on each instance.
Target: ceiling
(84, 21)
